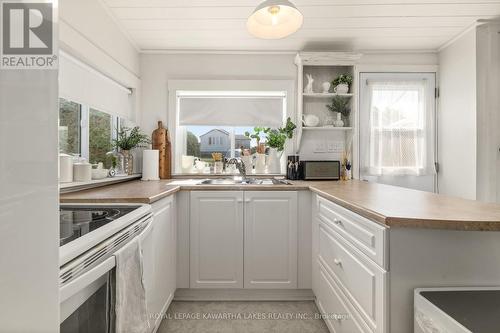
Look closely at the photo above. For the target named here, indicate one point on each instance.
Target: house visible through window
(216, 122)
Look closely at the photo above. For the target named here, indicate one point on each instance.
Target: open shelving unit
(325, 95)
(325, 67)
(326, 128)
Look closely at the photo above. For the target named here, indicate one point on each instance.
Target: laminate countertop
(388, 205)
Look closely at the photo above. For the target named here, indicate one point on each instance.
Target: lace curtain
(399, 133)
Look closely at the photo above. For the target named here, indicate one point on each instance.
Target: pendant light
(274, 19)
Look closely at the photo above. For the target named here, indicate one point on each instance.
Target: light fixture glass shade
(274, 19)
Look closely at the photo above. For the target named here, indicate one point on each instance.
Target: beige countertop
(388, 205)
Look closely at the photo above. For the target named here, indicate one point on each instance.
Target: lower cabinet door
(270, 239)
(334, 308)
(164, 244)
(216, 239)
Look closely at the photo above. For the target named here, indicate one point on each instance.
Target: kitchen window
(85, 131)
(216, 121)
(69, 127)
(100, 135)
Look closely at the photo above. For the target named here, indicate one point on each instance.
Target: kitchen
(336, 171)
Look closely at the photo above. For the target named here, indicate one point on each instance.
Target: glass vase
(128, 162)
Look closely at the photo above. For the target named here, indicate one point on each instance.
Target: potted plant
(340, 105)
(128, 139)
(342, 83)
(276, 139)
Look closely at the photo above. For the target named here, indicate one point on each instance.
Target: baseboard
(162, 314)
(244, 295)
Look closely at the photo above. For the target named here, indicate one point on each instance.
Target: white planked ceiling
(215, 25)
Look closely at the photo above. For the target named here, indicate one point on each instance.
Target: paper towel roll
(150, 167)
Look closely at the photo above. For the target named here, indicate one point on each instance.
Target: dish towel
(130, 295)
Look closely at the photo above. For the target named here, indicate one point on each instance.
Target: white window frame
(84, 126)
(179, 135)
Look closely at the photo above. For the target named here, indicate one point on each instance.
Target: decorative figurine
(309, 88)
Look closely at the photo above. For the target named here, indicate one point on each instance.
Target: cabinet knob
(337, 262)
(337, 222)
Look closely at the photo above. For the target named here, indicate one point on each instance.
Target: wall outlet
(335, 146)
(320, 147)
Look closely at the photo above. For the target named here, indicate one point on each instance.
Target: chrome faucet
(240, 165)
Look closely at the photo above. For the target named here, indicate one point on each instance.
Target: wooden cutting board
(161, 141)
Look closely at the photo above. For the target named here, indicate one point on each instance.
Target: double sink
(244, 181)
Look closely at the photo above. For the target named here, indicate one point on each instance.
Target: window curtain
(232, 109)
(82, 84)
(400, 129)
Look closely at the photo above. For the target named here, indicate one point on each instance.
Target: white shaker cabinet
(243, 239)
(216, 239)
(349, 261)
(270, 239)
(160, 260)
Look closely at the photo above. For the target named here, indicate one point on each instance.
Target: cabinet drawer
(361, 280)
(334, 307)
(366, 235)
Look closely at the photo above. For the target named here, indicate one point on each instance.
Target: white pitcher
(273, 161)
(260, 164)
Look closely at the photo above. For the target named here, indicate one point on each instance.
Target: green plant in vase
(342, 83)
(276, 139)
(340, 105)
(128, 139)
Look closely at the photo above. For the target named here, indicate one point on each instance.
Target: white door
(270, 239)
(397, 129)
(216, 244)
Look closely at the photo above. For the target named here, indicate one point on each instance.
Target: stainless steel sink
(246, 181)
(221, 181)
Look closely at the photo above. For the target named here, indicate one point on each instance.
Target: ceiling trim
(458, 36)
(119, 25)
(222, 52)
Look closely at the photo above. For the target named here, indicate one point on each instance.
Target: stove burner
(77, 221)
(87, 216)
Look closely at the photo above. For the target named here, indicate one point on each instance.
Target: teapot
(310, 120)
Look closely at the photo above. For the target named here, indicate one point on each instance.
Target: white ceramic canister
(82, 171)
(65, 168)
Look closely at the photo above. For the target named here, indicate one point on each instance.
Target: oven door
(85, 302)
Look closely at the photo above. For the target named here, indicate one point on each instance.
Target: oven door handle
(145, 233)
(73, 287)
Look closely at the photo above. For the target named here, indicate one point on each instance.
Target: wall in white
(488, 117)
(157, 69)
(457, 118)
(29, 216)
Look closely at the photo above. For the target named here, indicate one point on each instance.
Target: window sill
(78, 186)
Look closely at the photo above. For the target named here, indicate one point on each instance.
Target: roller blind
(232, 109)
(81, 83)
